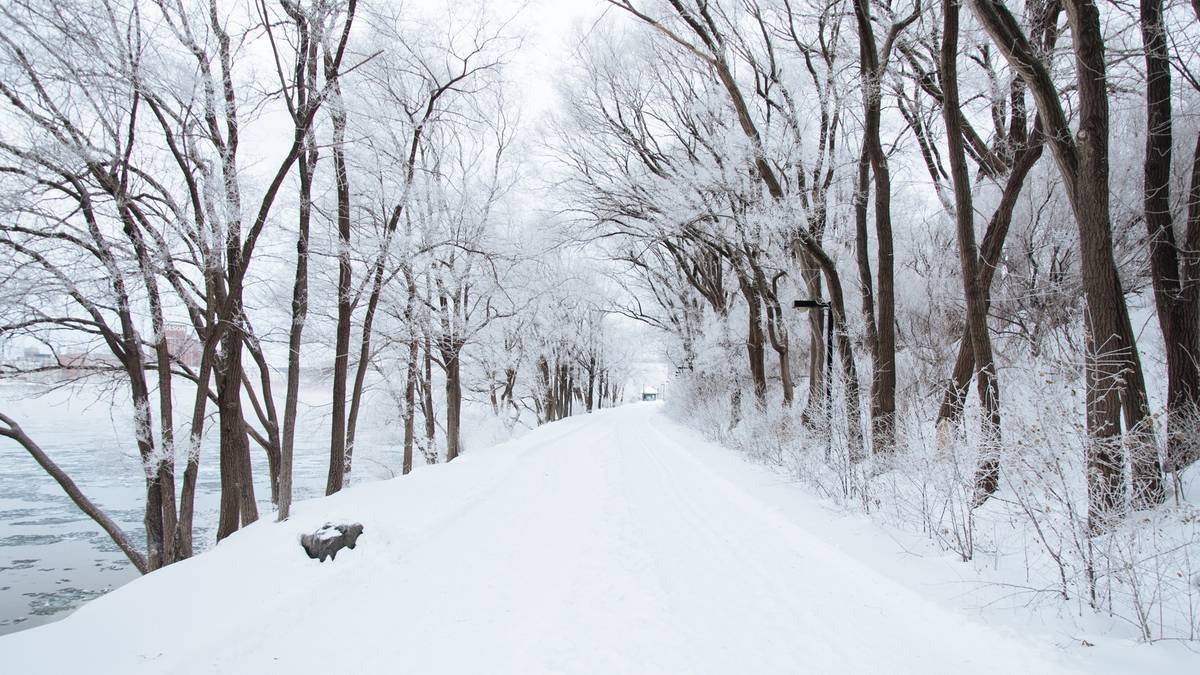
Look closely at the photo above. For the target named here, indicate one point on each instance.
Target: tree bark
(184, 540)
(341, 358)
(883, 380)
(814, 407)
(431, 454)
(410, 404)
(547, 389)
(264, 409)
(1115, 385)
(14, 431)
(987, 474)
(1185, 448)
(591, 382)
(1178, 313)
(307, 165)
(238, 507)
(990, 251)
(453, 404)
(755, 352)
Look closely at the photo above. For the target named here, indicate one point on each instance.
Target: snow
(605, 543)
(328, 532)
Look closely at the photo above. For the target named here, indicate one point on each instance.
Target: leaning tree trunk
(184, 541)
(987, 474)
(990, 251)
(360, 374)
(266, 413)
(12, 430)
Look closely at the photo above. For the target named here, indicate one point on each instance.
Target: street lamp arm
(809, 304)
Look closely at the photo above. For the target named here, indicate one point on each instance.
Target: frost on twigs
(329, 539)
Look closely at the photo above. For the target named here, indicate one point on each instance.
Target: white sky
(554, 28)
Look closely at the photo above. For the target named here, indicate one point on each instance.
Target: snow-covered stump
(327, 541)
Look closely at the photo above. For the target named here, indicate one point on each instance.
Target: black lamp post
(805, 305)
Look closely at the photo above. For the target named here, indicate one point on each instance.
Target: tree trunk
(453, 405)
(266, 412)
(360, 373)
(431, 454)
(987, 474)
(410, 403)
(990, 252)
(862, 194)
(883, 380)
(187, 497)
(307, 165)
(1113, 368)
(13, 430)
(341, 359)
(159, 464)
(814, 407)
(165, 470)
(563, 404)
(755, 352)
(1114, 357)
(238, 507)
(602, 395)
(1177, 311)
(143, 432)
(1184, 448)
(591, 382)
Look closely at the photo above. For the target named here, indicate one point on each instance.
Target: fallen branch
(14, 431)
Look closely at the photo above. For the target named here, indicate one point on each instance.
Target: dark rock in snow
(327, 541)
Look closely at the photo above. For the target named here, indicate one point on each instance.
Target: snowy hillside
(613, 542)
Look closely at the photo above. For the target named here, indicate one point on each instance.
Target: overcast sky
(554, 30)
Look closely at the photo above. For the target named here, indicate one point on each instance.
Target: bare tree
(1115, 383)
(987, 479)
(881, 324)
(1178, 308)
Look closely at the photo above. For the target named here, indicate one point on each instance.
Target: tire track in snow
(845, 616)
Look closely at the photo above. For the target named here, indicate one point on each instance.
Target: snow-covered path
(601, 544)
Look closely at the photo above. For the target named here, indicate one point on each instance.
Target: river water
(54, 558)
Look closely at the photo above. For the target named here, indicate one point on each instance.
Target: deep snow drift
(613, 542)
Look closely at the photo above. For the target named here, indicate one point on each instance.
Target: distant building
(37, 358)
(183, 345)
(649, 394)
(79, 363)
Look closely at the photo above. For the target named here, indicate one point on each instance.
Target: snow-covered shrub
(1029, 543)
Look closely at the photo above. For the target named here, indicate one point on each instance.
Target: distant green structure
(649, 394)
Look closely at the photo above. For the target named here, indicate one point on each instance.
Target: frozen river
(53, 557)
